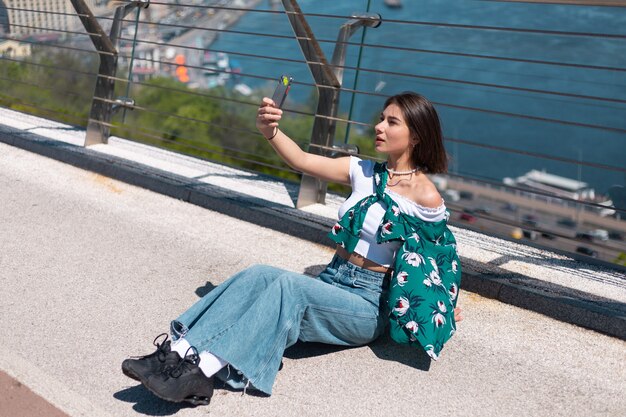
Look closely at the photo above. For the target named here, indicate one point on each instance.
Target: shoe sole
(194, 399)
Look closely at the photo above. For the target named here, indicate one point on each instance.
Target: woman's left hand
(457, 314)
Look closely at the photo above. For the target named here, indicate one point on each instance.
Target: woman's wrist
(273, 135)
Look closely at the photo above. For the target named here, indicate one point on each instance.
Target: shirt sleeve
(355, 170)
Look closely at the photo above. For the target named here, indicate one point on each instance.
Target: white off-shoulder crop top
(361, 179)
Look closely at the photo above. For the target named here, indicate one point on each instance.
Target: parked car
(483, 210)
(467, 195)
(566, 223)
(584, 236)
(548, 236)
(452, 195)
(530, 234)
(510, 207)
(466, 217)
(586, 251)
(600, 234)
(616, 236)
(529, 220)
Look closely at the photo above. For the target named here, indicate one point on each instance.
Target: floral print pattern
(427, 273)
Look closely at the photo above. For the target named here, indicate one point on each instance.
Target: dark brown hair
(421, 117)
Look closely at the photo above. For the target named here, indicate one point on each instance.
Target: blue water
(589, 144)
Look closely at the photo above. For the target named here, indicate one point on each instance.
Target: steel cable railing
(188, 119)
(612, 103)
(609, 3)
(394, 73)
(491, 182)
(408, 22)
(436, 102)
(282, 168)
(60, 91)
(55, 67)
(520, 189)
(44, 29)
(154, 132)
(203, 148)
(537, 155)
(57, 46)
(511, 223)
(466, 142)
(513, 188)
(439, 103)
(454, 140)
(62, 115)
(380, 46)
(52, 12)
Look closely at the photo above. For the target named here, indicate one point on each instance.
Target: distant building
(14, 49)
(26, 17)
(553, 184)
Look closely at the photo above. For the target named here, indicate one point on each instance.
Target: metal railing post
(102, 107)
(328, 78)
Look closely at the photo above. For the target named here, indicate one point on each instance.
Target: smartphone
(284, 84)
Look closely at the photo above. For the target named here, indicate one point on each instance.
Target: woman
(395, 263)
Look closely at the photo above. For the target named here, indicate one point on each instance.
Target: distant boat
(393, 4)
(243, 89)
(216, 68)
(554, 184)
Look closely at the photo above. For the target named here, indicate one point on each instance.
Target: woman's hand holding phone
(268, 117)
(269, 112)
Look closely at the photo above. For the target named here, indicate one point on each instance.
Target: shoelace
(160, 348)
(161, 353)
(184, 364)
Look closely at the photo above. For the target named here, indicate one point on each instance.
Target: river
(451, 70)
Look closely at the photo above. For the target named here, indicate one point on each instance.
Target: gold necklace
(400, 180)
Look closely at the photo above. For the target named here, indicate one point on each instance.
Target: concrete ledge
(242, 206)
(560, 302)
(566, 304)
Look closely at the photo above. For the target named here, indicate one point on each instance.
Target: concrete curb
(562, 303)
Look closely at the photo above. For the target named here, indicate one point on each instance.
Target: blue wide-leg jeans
(251, 318)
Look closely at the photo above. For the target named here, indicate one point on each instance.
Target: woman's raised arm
(328, 169)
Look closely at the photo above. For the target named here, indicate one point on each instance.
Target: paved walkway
(91, 269)
(18, 400)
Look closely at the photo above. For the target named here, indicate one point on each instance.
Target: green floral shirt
(427, 273)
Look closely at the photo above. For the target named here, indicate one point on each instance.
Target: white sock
(209, 363)
(180, 346)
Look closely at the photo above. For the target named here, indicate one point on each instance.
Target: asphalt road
(91, 269)
(500, 222)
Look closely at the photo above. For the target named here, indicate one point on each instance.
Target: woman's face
(392, 133)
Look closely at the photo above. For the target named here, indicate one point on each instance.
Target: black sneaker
(183, 383)
(140, 368)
